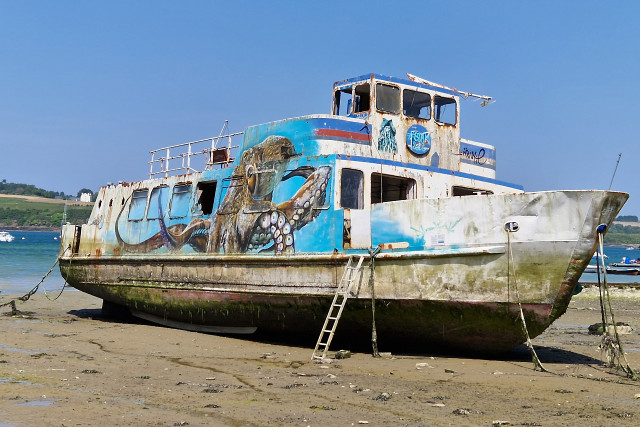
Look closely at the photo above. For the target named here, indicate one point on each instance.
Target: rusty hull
(450, 296)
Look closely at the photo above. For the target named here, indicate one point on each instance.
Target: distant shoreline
(31, 228)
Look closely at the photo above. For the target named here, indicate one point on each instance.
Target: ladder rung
(343, 290)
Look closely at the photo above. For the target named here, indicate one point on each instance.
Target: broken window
(206, 194)
(445, 110)
(342, 102)
(387, 98)
(416, 104)
(158, 202)
(466, 191)
(180, 200)
(138, 205)
(352, 189)
(363, 98)
(387, 188)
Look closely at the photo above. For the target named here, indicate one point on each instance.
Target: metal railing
(178, 158)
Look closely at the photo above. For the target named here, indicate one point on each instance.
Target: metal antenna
(615, 170)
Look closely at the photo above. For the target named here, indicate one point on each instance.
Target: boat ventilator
(335, 310)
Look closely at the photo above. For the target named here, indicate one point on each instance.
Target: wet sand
(63, 363)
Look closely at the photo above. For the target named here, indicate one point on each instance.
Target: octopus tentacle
(272, 226)
(301, 209)
(174, 237)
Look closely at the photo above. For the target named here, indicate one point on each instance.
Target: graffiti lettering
(476, 156)
(418, 140)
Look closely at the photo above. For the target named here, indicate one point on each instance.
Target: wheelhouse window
(342, 102)
(180, 200)
(352, 189)
(138, 205)
(388, 98)
(445, 110)
(206, 194)
(158, 202)
(416, 104)
(387, 188)
(466, 191)
(362, 98)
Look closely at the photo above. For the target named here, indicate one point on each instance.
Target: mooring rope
(28, 295)
(511, 265)
(611, 345)
(374, 333)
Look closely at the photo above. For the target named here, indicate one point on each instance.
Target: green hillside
(40, 212)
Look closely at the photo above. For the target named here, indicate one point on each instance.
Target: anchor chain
(28, 295)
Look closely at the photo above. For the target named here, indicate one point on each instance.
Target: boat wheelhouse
(232, 237)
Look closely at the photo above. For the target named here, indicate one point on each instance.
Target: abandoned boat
(256, 236)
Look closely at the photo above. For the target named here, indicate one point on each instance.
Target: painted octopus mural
(247, 219)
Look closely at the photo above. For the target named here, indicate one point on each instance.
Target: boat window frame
(337, 101)
(418, 117)
(358, 97)
(462, 191)
(202, 196)
(379, 98)
(438, 108)
(407, 193)
(158, 189)
(360, 196)
(135, 203)
(185, 209)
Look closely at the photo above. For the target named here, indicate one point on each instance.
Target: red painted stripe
(342, 134)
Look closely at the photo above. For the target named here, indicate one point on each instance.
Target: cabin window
(445, 110)
(466, 191)
(352, 189)
(158, 202)
(206, 194)
(342, 102)
(416, 104)
(387, 98)
(363, 98)
(180, 200)
(138, 205)
(387, 188)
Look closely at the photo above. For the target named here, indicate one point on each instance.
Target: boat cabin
(386, 140)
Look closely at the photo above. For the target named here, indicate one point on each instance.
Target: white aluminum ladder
(339, 300)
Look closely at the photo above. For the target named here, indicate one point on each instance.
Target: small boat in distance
(229, 237)
(6, 237)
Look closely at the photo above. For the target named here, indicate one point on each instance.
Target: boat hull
(464, 293)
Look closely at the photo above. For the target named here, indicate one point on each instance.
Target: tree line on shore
(31, 190)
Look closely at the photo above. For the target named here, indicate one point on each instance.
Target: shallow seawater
(24, 261)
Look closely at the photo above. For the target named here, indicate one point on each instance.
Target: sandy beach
(63, 364)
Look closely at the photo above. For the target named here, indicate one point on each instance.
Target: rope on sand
(611, 343)
(511, 266)
(28, 295)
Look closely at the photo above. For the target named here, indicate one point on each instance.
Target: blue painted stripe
(427, 169)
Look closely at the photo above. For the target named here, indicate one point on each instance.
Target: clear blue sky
(89, 87)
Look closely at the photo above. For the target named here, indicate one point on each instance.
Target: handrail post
(166, 169)
(189, 159)
(153, 153)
